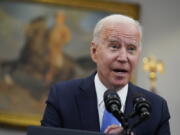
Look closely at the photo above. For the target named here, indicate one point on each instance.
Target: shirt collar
(100, 89)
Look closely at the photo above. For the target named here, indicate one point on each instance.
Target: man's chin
(117, 86)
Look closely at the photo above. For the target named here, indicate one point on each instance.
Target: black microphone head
(142, 106)
(112, 101)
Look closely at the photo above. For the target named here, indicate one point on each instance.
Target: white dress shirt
(100, 89)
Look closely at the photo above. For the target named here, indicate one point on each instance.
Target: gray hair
(113, 18)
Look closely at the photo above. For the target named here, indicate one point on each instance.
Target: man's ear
(93, 51)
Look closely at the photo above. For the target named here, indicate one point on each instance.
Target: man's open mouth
(120, 70)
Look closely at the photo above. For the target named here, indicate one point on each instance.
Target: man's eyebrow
(133, 44)
(113, 40)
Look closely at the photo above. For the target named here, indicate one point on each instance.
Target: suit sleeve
(52, 117)
(164, 128)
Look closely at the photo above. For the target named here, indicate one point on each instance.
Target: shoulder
(66, 86)
(63, 91)
(72, 86)
(159, 106)
(152, 97)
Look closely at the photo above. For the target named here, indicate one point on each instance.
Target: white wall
(161, 24)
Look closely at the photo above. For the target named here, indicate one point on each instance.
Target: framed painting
(42, 42)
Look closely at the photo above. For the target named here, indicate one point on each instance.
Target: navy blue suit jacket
(73, 104)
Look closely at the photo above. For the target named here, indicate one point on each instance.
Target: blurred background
(161, 38)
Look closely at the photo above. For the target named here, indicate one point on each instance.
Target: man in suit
(78, 104)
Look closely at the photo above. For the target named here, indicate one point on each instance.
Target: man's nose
(122, 55)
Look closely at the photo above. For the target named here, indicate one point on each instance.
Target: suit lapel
(129, 100)
(87, 105)
(132, 91)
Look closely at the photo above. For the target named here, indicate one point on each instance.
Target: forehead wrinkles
(115, 33)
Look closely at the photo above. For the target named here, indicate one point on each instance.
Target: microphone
(112, 101)
(142, 107)
(113, 105)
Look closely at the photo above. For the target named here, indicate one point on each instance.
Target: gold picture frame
(129, 9)
(132, 10)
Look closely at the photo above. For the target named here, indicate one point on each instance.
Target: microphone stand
(124, 121)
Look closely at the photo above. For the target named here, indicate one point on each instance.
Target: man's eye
(131, 48)
(114, 46)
